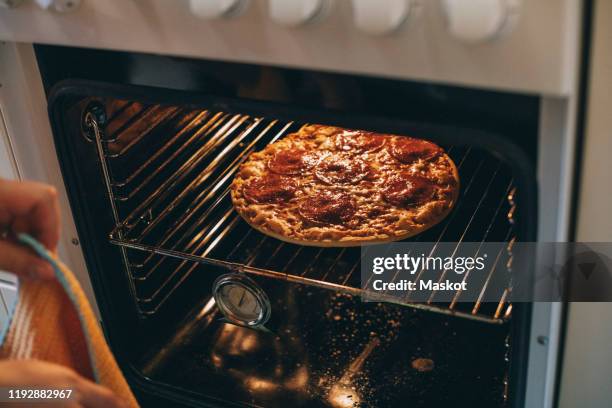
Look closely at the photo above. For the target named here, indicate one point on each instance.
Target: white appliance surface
(586, 378)
(450, 41)
(27, 150)
(8, 170)
(442, 41)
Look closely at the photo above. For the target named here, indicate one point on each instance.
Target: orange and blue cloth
(54, 322)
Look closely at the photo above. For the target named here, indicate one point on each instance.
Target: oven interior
(148, 171)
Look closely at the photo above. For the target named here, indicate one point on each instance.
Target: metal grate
(168, 171)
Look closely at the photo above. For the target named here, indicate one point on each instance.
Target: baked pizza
(329, 186)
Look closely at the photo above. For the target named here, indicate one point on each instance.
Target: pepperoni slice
(337, 169)
(408, 150)
(404, 190)
(328, 208)
(270, 189)
(292, 161)
(359, 141)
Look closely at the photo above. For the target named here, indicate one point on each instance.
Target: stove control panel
(61, 6)
(10, 3)
(381, 16)
(293, 13)
(211, 9)
(517, 45)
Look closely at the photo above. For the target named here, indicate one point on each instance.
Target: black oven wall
(514, 116)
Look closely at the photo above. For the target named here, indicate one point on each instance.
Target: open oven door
(148, 171)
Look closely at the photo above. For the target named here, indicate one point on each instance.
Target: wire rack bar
(175, 206)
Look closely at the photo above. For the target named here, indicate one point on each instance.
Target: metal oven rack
(168, 171)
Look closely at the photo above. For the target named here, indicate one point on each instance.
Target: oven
(145, 128)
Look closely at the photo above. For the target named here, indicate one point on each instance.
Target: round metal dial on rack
(241, 300)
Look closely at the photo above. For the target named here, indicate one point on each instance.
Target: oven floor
(326, 349)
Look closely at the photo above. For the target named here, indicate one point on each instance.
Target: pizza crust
(375, 220)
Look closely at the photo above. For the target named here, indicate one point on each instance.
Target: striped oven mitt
(54, 322)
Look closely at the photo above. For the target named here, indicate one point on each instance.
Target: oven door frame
(499, 146)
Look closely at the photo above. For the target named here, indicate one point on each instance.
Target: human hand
(35, 374)
(33, 208)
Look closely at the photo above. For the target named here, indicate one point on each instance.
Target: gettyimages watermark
(484, 272)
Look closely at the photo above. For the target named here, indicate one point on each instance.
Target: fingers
(23, 262)
(46, 219)
(93, 395)
(32, 208)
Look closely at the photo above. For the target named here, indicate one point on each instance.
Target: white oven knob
(480, 20)
(293, 13)
(211, 9)
(380, 16)
(62, 6)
